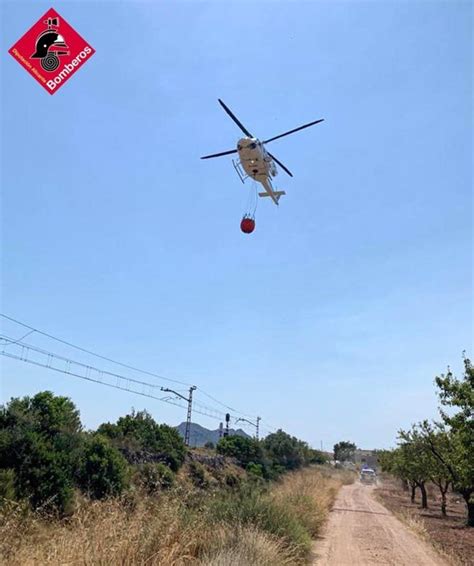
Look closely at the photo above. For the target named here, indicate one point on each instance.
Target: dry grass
(177, 527)
(247, 547)
(310, 494)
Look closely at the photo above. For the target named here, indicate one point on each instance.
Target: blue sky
(333, 318)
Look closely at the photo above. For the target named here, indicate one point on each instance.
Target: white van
(367, 475)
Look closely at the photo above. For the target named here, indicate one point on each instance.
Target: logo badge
(51, 51)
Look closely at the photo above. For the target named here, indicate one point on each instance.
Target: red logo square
(51, 51)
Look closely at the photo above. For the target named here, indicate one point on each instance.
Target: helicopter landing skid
(240, 172)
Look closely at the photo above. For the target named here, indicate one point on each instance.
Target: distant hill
(199, 435)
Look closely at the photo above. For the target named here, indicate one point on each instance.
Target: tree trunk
(443, 503)
(424, 497)
(470, 514)
(413, 490)
(470, 507)
(443, 489)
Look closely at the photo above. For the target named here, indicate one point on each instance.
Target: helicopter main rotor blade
(280, 164)
(241, 126)
(219, 154)
(295, 130)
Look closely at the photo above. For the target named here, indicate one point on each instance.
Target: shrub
(232, 480)
(7, 485)
(255, 470)
(140, 437)
(198, 475)
(243, 449)
(286, 451)
(155, 477)
(103, 470)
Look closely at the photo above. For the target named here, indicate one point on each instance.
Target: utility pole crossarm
(256, 425)
(173, 391)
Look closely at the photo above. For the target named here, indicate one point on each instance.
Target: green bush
(255, 470)
(155, 477)
(103, 470)
(198, 475)
(140, 437)
(7, 485)
(244, 450)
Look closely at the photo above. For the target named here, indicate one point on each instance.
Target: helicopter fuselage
(255, 160)
(258, 165)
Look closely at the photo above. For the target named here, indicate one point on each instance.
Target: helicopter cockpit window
(253, 145)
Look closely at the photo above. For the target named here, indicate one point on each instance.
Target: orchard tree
(415, 462)
(456, 454)
(436, 437)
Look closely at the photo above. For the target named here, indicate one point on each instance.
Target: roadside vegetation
(130, 492)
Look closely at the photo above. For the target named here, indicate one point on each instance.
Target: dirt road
(361, 531)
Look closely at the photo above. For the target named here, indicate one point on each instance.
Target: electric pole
(189, 401)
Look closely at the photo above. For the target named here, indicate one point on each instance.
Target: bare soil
(361, 531)
(447, 533)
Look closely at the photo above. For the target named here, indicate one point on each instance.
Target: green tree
(414, 462)
(456, 454)
(440, 441)
(285, 450)
(344, 451)
(40, 441)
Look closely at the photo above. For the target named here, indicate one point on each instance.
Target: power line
(90, 352)
(145, 372)
(37, 356)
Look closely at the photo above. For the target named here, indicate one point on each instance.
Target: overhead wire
(32, 330)
(88, 370)
(127, 366)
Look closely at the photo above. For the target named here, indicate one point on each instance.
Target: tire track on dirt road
(362, 531)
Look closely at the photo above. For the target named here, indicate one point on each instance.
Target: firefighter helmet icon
(49, 45)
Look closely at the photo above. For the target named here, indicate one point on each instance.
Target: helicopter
(254, 159)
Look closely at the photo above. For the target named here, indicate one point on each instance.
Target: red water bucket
(247, 225)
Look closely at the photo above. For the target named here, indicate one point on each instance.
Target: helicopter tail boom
(269, 192)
